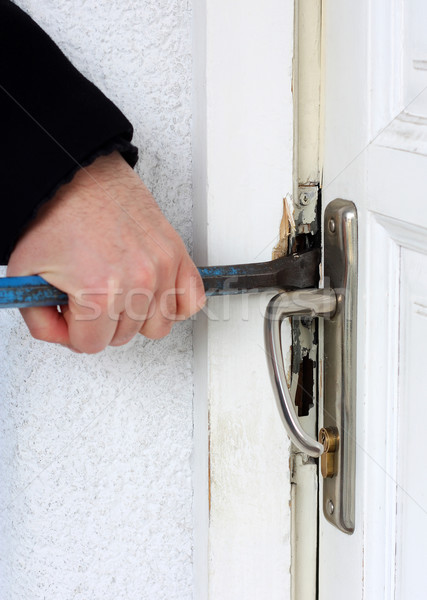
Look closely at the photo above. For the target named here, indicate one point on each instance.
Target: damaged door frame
(305, 334)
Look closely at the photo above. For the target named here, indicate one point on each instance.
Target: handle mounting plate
(339, 351)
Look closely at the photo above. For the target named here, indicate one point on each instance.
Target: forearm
(53, 122)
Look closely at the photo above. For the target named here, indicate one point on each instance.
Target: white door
(375, 154)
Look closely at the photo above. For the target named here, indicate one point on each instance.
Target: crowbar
(291, 272)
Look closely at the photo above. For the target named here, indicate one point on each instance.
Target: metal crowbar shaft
(294, 271)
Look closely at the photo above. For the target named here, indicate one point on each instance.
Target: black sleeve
(53, 121)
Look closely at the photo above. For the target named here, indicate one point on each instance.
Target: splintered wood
(287, 228)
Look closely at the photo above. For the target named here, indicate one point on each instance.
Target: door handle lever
(313, 303)
(337, 304)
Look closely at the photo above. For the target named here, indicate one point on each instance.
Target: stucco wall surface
(95, 451)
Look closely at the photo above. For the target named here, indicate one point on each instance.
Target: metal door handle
(313, 303)
(338, 302)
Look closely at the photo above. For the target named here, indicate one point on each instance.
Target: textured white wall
(96, 492)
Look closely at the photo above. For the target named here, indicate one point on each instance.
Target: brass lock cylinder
(328, 436)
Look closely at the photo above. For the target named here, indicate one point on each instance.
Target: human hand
(104, 241)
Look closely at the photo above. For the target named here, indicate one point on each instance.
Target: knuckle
(146, 276)
(169, 257)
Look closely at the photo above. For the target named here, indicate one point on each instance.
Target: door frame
(243, 157)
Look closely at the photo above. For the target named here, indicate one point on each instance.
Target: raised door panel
(411, 482)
